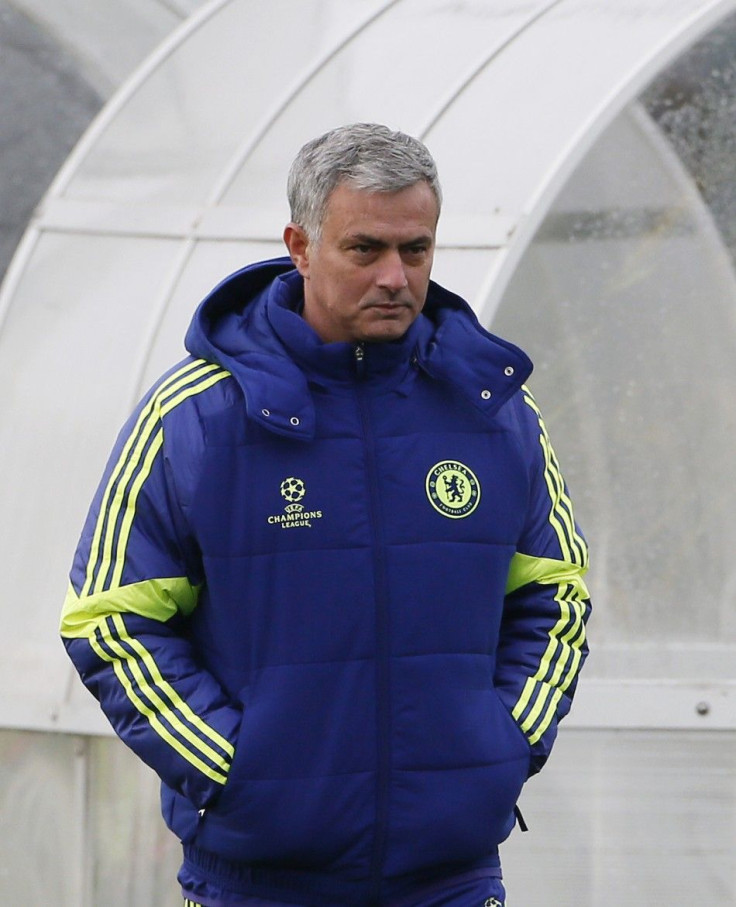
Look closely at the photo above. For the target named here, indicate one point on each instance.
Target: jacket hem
(288, 885)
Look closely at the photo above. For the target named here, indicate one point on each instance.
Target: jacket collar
(486, 369)
(250, 324)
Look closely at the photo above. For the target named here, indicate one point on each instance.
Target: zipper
(359, 353)
(383, 716)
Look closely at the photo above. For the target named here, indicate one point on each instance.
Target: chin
(387, 330)
(386, 336)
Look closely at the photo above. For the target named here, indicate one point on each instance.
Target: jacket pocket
(512, 723)
(460, 762)
(231, 790)
(180, 815)
(301, 785)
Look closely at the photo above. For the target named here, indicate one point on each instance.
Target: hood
(250, 325)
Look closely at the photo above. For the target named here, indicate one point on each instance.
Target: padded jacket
(333, 594)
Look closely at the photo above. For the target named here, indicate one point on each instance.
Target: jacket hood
(250, 324)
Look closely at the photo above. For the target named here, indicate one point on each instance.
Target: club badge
(453, 489)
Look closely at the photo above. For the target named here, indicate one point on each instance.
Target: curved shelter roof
(181, 179)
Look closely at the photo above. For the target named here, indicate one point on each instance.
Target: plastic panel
(623, 270)
(69, 348)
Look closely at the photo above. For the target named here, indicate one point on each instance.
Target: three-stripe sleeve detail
(536, 708)
(573, 546)
(132, 468)
(153, 697)
(134, 666)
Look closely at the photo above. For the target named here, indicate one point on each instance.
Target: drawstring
(520, 819)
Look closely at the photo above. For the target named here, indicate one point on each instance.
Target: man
(331, 586)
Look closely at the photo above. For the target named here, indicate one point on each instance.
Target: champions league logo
(295, 516)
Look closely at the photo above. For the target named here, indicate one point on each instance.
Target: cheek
(419, 284)
(352, 287)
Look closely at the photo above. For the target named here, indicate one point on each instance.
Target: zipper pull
(359, 359)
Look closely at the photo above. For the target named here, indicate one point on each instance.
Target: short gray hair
(367, 156)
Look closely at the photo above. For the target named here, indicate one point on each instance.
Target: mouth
(389, 305)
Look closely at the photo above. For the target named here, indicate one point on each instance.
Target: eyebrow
(368, 240)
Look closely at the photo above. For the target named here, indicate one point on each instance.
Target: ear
(297, 242)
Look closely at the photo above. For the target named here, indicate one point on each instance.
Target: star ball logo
(293, 490)
(453, 489)
(295, 516)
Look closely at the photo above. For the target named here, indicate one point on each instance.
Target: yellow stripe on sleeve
(557, 667)
(184, 741)
(187, 373)
(572, 544)
(180, 704)
(525, 568)
(157, 437)
(132, 468)
(156, 599)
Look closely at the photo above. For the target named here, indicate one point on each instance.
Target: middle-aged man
(331, 585)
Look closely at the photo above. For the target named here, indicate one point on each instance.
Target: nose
(392, 274)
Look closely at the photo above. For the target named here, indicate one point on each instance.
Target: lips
(389, 306)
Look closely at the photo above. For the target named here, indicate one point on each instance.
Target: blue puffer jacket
(333, 595)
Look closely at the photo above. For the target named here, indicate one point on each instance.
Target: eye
(416, 251)
(364, 252)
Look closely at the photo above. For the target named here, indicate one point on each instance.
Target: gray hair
(367, 156)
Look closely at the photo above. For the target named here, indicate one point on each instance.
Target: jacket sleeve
(134, 579)
(542, 643)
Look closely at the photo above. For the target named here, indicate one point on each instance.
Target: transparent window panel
(80, 825)
(463, 270)
(111, 36)
(694, 103)
(41, 819)
(70, 348)
(175, 135)
(373, 78)
(597, 48)
(635, 817)
(135, 857)
(626, 301)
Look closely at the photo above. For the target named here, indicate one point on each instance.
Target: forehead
(412, 210)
